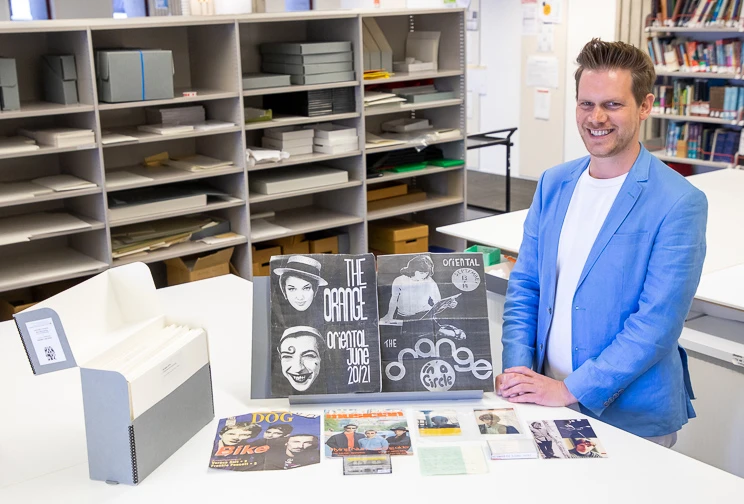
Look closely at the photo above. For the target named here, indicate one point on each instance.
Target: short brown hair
(599, 55)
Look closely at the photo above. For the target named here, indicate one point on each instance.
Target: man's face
(584, 446)
(273, 433)
(488, 420)
(298, 444)
(300, 359)
(607, 114)
(236, 435)
(399, 432)
(350, 428)
(370, 434)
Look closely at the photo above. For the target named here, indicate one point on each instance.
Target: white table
(43, 453)
(503, 231)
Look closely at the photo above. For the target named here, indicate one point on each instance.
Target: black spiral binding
(133, 452)
(28, 355)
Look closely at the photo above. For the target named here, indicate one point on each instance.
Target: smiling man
(611, 257)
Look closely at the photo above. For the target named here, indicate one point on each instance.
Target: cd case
(512, 448)
(378, 463)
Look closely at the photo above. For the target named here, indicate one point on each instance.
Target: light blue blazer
(631, 300)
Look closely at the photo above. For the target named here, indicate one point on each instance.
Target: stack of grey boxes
(60, 78)
(309, 62)
(9, 98)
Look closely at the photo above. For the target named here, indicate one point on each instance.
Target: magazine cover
(566, 439)
(355, 432)
(434, 332)
(498, 421)
(266, 441)
(438, 423)
(324, 324)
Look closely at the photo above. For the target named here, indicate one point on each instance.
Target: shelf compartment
(258, 198)
(201, 95)
(179, 250)
(43, 150)
(708, 120)
(298, 120)
(23, 270)
(230, 203)
(699, 162)
(61, 195)
(412, 76)
(307, 220)
(295, 88)
(307, 158)
(388, 148)
(432, 201)
(41, 108)
(431, 170)
(699, 75)
(94, 226)
(145, 137)
(167, 175)
(380, 110)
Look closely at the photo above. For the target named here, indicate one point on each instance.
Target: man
(400, 442)
(346, 441)
(491, 425)
(543, 439)
(372, 442)
(611, 257)
(301, 450)
(583, 448)
(275, 435)
(236, 433)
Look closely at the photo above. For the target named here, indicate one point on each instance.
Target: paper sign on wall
(550, 11)
(529, 17)
(542, 71)
(542, 104)
(545, 38)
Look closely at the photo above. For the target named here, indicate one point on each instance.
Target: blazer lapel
(624, 203)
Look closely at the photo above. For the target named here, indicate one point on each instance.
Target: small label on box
(738, 360)
(189, 94)
(46, 341)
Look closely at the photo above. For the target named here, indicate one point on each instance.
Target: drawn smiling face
(300, 359)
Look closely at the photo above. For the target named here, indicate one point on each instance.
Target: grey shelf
(24, 270)
(431, 170)
(719, 30)
(392, 109)
(178, 99)
(298, 120)
(40, 108)
(145, 137)
(698, 162)
(410, 76)
(700, 75)
(44, 150)
(308, 158)
(231, 203)
(94, 226)
(296, 88)
(167, 175)
(700, 119)
(60, 195)
(388, 148)
(178, 250)
(307, 220)
(259, 198)
(431, 202)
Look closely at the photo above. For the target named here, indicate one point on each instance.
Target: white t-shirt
(590, 204)
(414, 295)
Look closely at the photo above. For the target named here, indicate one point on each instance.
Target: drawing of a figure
(301, 350)
(299, 281)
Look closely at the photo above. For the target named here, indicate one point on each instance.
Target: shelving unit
(210, 55)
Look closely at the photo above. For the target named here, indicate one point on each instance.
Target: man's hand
(523, 385)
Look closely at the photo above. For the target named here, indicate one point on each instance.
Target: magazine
(498, 421)
(438, 423)
(566, 439)
(266, 441)
(324, 324)
(434, 332)
(356, 432)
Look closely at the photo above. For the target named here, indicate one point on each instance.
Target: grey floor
(486, 194)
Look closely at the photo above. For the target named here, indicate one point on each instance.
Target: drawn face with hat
(300, 350)
(299, 281)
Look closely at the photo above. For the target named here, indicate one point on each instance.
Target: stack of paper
(14, 191)
(256, 155)
(421, 94)
(107, 137)
(149, 201)
(197, 163)
(148, 236)
(23, 228)
(17, 144)
(121, 178)
(176, 115)
(59, 183)
(335, 139)
(375, 98)
(165, 129)
(61, 137)
(296, 178)
(296, 142)
(212, 124)
(261, 228)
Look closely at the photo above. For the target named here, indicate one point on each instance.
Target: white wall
(586, 19)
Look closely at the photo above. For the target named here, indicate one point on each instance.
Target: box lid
(397, 230)
(8, 75)
(77, 325)
(205, 262)
(61, 65)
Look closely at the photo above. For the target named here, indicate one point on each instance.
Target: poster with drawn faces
(324, 337)
(434, 331)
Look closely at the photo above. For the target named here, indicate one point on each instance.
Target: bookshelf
(210, 55)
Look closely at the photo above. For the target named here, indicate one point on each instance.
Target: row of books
(693, 13)
(673, 54)
(703, 142)
(699, 98)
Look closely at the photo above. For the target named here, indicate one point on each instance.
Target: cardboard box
(263, 255)
(132, 424)
(261, 269)
(411, 197)
(60, 78)
(9, 98)
(134, 75)
(388, 191)
(213, 265)
(328, 245)
(396, 230)
(10, 308)
(292, 245)
(413, 246)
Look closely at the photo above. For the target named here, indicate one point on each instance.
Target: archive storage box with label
(145, 379)
(134, 75)
(9, 97)
(60, 78)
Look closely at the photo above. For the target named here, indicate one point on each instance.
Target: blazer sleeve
(519, 331)
(672, 277)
